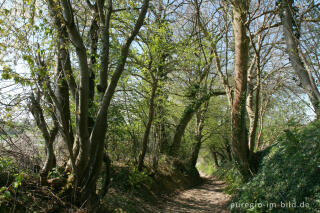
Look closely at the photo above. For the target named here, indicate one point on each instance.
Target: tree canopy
(136, 82)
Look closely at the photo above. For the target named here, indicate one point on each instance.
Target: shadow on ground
(207, 197)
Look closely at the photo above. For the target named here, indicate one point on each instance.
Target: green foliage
(8, 74)
(230, 174)
(137, 178)
(18, 180)
(5, 196)
(7, 169)
(9, 174)
(284, 112)
(206, 169)
(129, 179)
(10, 181)
(290, 172)
(56, 172)
(6, 164)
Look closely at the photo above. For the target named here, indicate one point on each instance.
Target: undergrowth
(10, 182)
(288, 179)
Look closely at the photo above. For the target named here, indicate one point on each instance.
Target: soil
(207, 197)
(172, 194)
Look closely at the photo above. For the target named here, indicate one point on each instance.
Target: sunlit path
(207, 197)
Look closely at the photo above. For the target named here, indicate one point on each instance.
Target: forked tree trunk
(49, 164)
(90, 149)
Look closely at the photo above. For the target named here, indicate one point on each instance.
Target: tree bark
(198, 139)
(184, 120)
(162, 136)
(105, 34)
(106, 178)
(239, 133)
(93, 36)
(252, 106)
(82, 128)
(64, 73)
(292, 42)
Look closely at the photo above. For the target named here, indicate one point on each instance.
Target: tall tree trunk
(105, 21)
(162, 137)
(200, 118)
(64, 73)
(239, 133)
(292, 42)
(252, 106)
(160, 129)
(82, 128)
(93, 35)
(198, 139)
(148, 126)
(262, 112)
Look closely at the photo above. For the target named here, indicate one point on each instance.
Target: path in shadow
(207, 197)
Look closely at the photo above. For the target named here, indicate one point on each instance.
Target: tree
(292, 31)
(237, 96)
(87, 162)
(239, 132)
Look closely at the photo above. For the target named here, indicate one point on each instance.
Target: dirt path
(207, 197)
